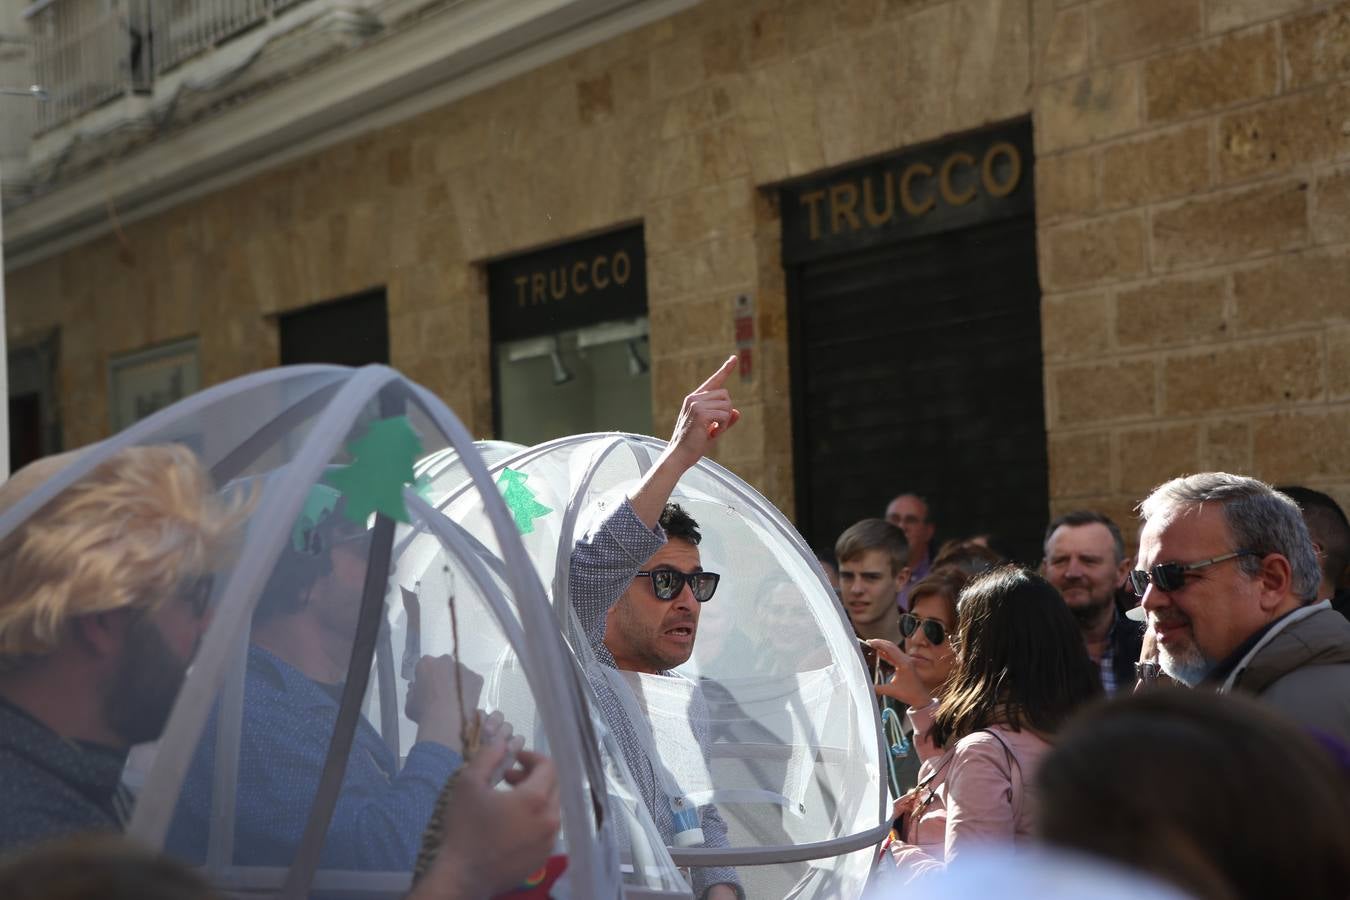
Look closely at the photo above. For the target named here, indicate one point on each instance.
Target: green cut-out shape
(382, 463)
(521, 500)
(423, 487)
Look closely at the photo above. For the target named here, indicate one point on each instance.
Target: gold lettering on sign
(956, 181)
(874, 218)
(598, 265)
(844, 206)
(573, 279)
(812, 200)
(907, 197)
(995, 188)
(623, 267)
(945, 179)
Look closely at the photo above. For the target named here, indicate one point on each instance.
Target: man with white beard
(1228, 579)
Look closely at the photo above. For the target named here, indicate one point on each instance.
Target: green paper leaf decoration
(382, 463)
(423, 487)
(520, 500)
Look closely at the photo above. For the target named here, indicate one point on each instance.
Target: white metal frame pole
(36, 93)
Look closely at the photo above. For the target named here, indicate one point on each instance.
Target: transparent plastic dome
(291, 760)
(793, 755)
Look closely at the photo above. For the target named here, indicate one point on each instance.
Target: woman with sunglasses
(1021, 670)
(916, 678)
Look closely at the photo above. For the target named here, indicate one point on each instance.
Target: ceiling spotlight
(636, 364)
(560, 373)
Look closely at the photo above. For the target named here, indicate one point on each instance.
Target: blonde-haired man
(104, 599)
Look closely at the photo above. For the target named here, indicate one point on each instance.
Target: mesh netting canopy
(771, 721)
(296, 759)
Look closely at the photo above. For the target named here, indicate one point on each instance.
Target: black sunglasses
(667, 583)
(933, 630)
(1172, 576)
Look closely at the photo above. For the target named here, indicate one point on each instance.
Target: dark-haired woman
(1022, 670)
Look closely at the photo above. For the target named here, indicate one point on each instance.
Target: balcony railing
(89, 52)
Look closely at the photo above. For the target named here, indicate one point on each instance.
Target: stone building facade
(1192, 206)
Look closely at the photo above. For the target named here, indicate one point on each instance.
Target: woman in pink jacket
(1022, 670)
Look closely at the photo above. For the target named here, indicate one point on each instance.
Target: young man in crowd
(1229, 579)
(1085, 560)
(873, 566)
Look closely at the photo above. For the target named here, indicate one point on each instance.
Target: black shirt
(50, 786)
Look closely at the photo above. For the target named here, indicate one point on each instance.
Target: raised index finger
(718, 378)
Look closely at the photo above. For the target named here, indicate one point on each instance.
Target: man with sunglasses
(298, 657)
(637, 585)
(1228, 579)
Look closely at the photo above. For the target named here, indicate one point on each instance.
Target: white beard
(1187, 666)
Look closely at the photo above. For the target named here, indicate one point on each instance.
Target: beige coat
(1303, 669)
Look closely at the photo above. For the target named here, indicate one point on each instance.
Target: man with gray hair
(1228, 579)
(1085, 560)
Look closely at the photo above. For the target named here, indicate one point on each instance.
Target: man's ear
(902, 578)
(101, 634)
(1276, 579)
(1123, 569)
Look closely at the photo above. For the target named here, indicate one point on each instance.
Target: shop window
(570, 339)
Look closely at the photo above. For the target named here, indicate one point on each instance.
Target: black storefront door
(917, 365)
(353, 331)
(922, 368)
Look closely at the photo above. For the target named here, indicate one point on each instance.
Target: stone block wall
(1193, 202)
(685, 125)
(1194, 227)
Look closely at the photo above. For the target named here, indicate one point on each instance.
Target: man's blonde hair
(126, 535)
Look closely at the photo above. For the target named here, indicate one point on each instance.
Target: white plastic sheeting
(289, 763)
(794, 761)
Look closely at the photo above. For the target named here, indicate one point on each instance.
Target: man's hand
(494, 839)
(433, 701)
(904, 685)
(721, 892)
(705, 416)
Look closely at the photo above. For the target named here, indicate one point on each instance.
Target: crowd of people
(1114, 691)
(1183, 712)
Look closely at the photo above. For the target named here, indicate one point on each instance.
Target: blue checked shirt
(288, 721)
(603, 564)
